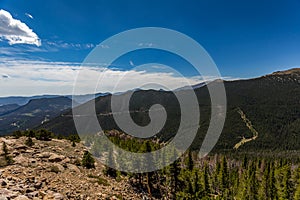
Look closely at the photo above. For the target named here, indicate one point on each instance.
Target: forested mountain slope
(271, 103)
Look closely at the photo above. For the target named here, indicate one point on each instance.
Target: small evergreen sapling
(88, 160)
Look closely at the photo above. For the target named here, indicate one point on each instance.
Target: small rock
(21, 160)
(56, 158)
(29, 151)
(7, 193)
(66, 160)
(58, 196)
(42, 194)
(29, 190)
(43, 155)
(56, 168)
(21, 197)
(20, 146)
(33, 194)
(15, 153)
(16, 189)
(30, 179)
(73, 168)
(38, 185)
(3, 182)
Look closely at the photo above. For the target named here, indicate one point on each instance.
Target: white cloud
(27, 77)
(29, 15)
(15, 31)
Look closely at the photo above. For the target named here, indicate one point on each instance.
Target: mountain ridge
(263, 99)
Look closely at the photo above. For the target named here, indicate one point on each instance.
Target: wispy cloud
(29, 15)
(146, 45)
(103, 46)
(15, 31)
(19, 51)
(131, 63)
(27, 77)
(26, 51)
(69, 45)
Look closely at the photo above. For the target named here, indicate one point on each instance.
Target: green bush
(102, 181)
(43, 134)
(74, 138)
(17, 134)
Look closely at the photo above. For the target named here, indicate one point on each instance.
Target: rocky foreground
(51, 170)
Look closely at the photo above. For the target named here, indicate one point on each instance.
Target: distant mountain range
(19, 100)
(269, 105)
(32, 114)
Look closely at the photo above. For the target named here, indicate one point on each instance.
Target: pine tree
(189, 162)
(235, 182)
(297, 178)
(250, 185)
(216, 185)
(206, 186)
(252, 182)
(110, 170)
(197, 188)
(88, 160)
(297, 192)
(223, 175)
(243, 187)
(272, 183)
(245, 162)
(149, 184)
(7, 157)
(286, 189)
(264, 190)
(174, 171)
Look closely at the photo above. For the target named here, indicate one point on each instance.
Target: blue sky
(244, 38)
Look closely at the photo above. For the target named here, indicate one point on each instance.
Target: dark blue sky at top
(245, 38)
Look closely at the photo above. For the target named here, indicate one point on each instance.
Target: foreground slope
(50, 170)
